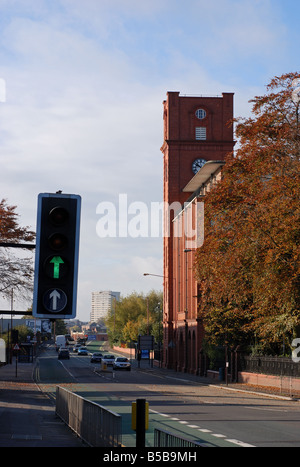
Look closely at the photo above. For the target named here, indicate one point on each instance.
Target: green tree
(24, 331)
(133, 315)
(60, 327)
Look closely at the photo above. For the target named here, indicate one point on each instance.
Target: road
(178, 403)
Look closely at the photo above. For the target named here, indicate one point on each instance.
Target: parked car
(122, 363)
(108, 359)
(82, 351)
(96, 357)
(76, 347)
(63, 353)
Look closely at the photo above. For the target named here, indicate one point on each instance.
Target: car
(96, 357)
(122, 363)
(108, 359)
(81, 341)
(82, 351)
(63, 353)
(76, 347)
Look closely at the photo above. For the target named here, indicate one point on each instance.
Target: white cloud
(85, 83)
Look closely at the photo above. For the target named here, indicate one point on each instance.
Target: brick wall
(182, 331)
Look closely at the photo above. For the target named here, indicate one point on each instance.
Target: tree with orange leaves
(15, 268)
(248, 267)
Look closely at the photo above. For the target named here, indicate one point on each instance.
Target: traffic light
(56, 256)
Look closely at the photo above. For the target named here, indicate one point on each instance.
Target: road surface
(178, 403)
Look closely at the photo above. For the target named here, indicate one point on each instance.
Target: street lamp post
(159, 319)
(186, 250)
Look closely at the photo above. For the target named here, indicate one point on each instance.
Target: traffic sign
(145, 342)
(55, 300)
(56, 259)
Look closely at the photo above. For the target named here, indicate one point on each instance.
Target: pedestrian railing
(166, 439)
(268, 365)
(94, 424)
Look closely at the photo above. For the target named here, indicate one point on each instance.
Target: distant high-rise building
(102, 303)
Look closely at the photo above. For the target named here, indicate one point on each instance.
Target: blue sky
(85, 81)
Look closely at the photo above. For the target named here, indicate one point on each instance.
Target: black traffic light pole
(56, 259)
(56, 255)
(140, 423)
(30, 246)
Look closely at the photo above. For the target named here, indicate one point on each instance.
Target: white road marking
(204, 430)
(240, 443)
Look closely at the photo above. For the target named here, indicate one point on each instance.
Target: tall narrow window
(200, 133)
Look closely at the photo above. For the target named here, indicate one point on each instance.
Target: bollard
(140, 423)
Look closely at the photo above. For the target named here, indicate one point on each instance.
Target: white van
(60, 342)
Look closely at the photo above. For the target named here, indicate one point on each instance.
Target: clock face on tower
(197, 164)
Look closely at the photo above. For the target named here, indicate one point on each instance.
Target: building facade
(197, 138)
(102, 303)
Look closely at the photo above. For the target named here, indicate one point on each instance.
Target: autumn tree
(16, 266)
(248, 266)
(133, 315)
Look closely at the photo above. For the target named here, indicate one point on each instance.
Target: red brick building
(197, 138)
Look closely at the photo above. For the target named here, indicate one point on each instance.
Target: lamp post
(159, 335)
(186, 250)
(159, 318)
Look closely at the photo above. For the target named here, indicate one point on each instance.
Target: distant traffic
(64, 342)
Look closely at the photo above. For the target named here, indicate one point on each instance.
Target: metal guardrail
(93, 423)
(166, 439)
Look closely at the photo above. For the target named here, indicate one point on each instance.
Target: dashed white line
(240, 443)
(205, 430)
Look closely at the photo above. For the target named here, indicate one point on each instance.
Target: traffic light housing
(56, 256)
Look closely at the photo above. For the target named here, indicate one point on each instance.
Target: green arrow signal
(56, 260)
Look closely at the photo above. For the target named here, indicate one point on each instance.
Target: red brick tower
(196, 130)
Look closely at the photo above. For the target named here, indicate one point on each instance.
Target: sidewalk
(265, 391)
(27, 416)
